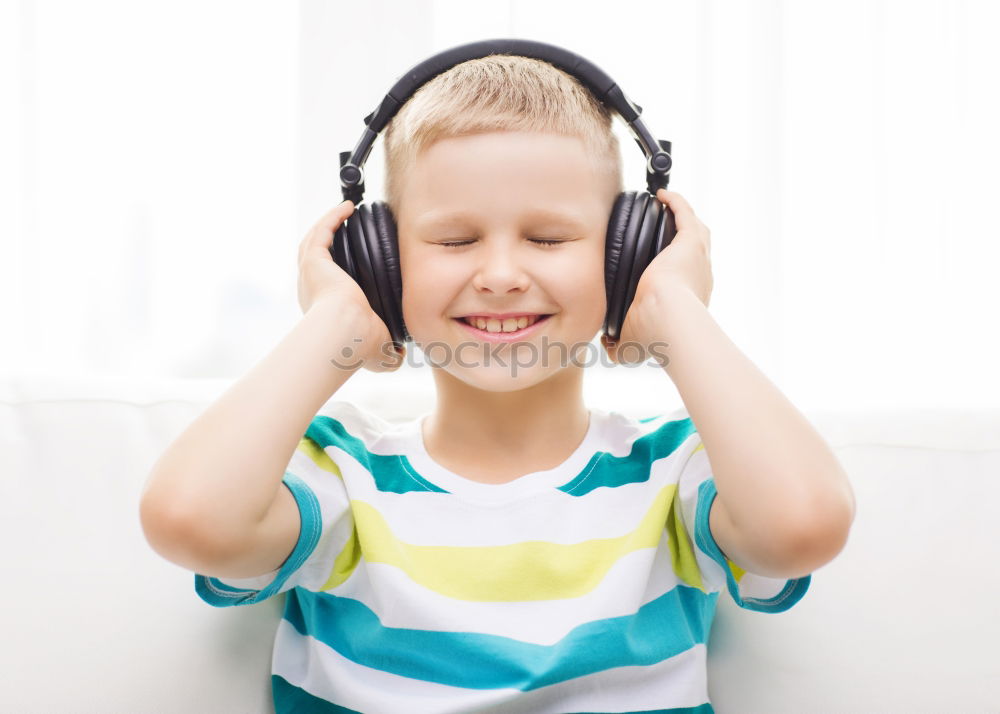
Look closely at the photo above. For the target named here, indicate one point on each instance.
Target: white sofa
(905, 620)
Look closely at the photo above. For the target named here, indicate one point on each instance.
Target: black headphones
(366, 247)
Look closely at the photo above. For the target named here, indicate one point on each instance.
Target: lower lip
(504, 336)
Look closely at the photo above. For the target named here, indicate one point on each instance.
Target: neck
(533, 419)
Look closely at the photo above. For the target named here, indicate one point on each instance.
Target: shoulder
(344, 424)
(657, 446)
(341, 439)
(654, 436)
(355, 419)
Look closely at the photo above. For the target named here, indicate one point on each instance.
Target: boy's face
(490, 191)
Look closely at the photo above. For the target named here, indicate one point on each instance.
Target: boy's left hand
(684, 265)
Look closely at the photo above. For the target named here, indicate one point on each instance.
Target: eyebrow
(442, 220)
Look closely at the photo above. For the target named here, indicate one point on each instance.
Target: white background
(160, 162)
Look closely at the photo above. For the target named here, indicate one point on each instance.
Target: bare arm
(214, 501)
(784, 504)
(218, 480)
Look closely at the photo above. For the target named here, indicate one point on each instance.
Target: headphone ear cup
(636, 236)
(612, 253)
(392, 285)
(649, 233)
(619, 251)
(665, 233)
(340, 250)
(352, 250)
(384, 301)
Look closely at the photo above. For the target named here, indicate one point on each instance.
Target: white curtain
(160, 162)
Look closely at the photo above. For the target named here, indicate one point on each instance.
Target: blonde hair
(499, 93)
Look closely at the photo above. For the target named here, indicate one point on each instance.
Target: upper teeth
(509, 325)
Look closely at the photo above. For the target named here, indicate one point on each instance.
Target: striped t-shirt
(589, 587)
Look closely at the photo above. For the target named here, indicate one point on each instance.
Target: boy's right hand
(322, 281)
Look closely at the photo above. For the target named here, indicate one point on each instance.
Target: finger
(320, 236)
(336, 215)
(683, 213)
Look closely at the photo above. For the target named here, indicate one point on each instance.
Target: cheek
(592, 302)
(586, 295)
(427, 291)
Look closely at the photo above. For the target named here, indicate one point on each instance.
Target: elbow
(167, 529)
(816, 540)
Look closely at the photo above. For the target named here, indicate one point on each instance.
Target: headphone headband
(657, 152)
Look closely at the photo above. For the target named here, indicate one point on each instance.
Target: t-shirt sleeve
(324, 549)
(696, 487)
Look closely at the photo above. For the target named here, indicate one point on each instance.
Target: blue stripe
(612, 471)
(603, 469)
(794, 589)
(663, 628)
(289, 699)
(705, 708)
(215, 592)
(386, 470)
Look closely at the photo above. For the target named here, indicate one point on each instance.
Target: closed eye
(539, 241)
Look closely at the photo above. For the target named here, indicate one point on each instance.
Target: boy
(511, 550)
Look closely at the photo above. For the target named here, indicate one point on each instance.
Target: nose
(500, 269)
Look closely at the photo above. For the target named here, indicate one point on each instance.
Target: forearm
(226, 467)
(773, 470)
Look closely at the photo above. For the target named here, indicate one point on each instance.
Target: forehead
(435, 219)
(504, 177)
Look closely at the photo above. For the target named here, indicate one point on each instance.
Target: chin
(502, 378)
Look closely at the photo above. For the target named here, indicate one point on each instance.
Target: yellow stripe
(681, 550)
(346, 562)
(529, 570)
(318, 456)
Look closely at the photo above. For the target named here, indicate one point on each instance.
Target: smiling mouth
(499, 327)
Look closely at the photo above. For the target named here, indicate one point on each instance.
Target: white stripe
(383, 437)
(617, 431)
(430, 518)
(307, 663)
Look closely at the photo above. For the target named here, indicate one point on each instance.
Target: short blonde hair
(499, 93)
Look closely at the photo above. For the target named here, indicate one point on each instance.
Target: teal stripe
(663, 628)
(612, 471)
(602, 469)
(386, 470)
(705, 708)
(215, 592)
(794, 589)
(289, 699)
